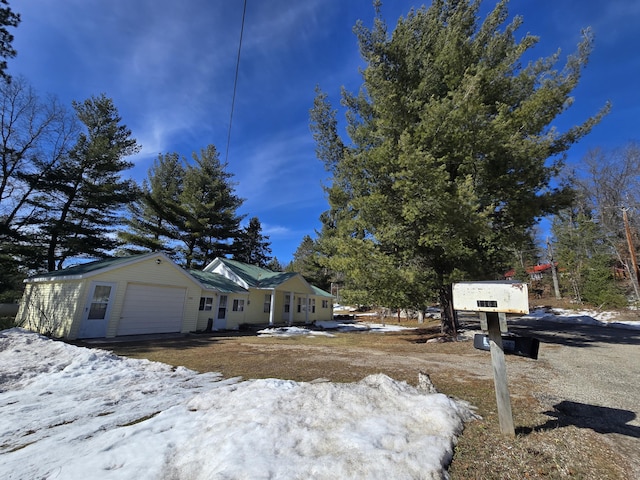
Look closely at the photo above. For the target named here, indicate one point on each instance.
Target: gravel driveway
(594, 379)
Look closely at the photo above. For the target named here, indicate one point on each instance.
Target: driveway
(594, 379)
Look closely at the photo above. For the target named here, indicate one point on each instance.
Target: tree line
(64, 195)
(445, 162)
(451, 158)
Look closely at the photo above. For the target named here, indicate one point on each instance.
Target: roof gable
(215, 281)
(78, 272)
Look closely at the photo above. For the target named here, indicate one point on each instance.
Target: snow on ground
(585, 317)
(333, 325)
(69, 412)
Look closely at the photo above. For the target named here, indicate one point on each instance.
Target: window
(325, 303)
(222, 307)
(312, 305)
(267, 302)
(99, 302)
(238, 305)
(206, 303)
(301, 305)
(287, 303)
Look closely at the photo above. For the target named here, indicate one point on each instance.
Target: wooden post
(499, 372)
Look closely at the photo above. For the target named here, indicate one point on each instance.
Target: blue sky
(169, 67)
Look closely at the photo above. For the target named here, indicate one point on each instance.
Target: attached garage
(134, 295)
(151, 309)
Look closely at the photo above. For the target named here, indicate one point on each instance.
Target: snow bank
(68, 412)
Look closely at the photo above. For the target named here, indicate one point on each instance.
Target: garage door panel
(151, 309)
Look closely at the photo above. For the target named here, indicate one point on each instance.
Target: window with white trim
(312, 305)
(325, 303)
(206, 303)
(222, 307)
(238, 305)
(267, 302)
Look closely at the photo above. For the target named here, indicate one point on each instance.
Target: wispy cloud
(279, 171)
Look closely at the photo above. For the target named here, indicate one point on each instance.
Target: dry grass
(542, 448)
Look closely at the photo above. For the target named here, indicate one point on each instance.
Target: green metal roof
(214, 281)
(257, 277)
(320, 292)
(78, 271)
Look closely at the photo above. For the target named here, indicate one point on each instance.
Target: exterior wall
(307, 308)
(205, 315)
(51, 308)
(63, 302)
(235, 319)
(148, 272)
(254, 312)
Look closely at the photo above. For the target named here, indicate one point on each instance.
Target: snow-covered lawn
(68, 412)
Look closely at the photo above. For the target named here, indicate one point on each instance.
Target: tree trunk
(448, 319)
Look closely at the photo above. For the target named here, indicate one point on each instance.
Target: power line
(235, 83)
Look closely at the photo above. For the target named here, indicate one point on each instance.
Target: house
(149, 293)
(536, 272)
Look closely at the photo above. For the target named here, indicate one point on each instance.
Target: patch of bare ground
(546, 444)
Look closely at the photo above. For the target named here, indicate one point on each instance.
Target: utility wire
(235, 83)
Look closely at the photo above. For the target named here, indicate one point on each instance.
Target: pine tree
(81, 197)
(308, 261)
(209, 225)
(451, 152)
(253, 247)
(152, 221)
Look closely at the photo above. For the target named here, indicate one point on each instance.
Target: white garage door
(151, 309)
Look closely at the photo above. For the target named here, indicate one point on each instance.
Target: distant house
(536, 272)
(149, 293)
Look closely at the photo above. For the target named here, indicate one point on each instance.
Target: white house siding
(51, 307)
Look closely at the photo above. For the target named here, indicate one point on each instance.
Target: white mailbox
(496, 296)
(494, 300)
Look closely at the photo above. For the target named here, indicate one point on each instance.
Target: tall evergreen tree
(82, 196)
(152, 222)
(274, 265)
(186, 210)
(209, 223)
(451, 154)
(307, 261)
(253, 247)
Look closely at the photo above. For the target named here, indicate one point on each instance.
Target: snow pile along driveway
(68, 412)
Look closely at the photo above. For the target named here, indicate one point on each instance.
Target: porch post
(272, 305)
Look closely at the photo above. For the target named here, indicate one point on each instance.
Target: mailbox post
(493, 300)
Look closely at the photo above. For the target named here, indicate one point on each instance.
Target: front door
(220, 322)
(286, 311)
(96, 312)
